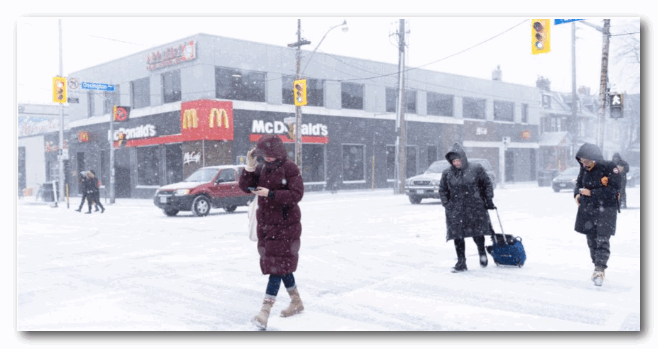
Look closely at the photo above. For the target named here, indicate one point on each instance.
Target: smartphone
(252, 188)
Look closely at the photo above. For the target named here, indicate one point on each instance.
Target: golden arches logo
(190, 119)
(219, 115)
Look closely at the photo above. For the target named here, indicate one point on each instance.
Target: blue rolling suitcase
(506, 249)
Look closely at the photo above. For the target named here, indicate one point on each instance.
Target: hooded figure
(596, 193)
(466, 193)
(623, 170)
(279, 189)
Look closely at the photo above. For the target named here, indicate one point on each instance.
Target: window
(391, 99)
(111, 98)
(174, 163)
(438, 104)
(140, 93)
(148, 168)
(313, 162)
(411, 161)
(474, 108)
(432, 154)
(353, 163)
(546, 101)
(238, 84)
(171, 86)
(351, 95)
(91, 106)
(503, 111)
(524, 113)
(227, 175)
(410, 102)
(314, 91)
(390, 161)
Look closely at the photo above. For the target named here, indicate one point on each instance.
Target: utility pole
(298, 109)
(603, 91)
(575, 125)
(61, 122)
(112, 177)
(401, 141)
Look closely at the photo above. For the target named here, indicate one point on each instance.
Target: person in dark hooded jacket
(596, 193)
(279, 187)
(623, 170)
(466, 193)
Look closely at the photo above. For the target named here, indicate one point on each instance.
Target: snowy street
(369, 261)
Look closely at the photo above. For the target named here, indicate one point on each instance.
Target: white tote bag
(253, 222)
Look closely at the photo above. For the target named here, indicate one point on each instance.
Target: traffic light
(299, 90)
(121, 139)
(541, 36)
(616, 105)
(59, 89)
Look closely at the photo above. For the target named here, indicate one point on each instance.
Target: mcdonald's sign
(207, 119)
(83, 136)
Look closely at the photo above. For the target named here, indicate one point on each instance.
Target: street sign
(73, 100)
(560, 21)
(73, 83)
(97, 86)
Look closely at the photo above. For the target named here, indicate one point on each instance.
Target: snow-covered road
(369, 261)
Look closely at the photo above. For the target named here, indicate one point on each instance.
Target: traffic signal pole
(603, 91)
(61, 121)
(298, 109)
(112, 184)
(401, 141)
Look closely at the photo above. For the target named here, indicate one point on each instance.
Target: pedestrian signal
(616, 105)
(121, 139)
(59, 90)
(541, 36)
(299, 89)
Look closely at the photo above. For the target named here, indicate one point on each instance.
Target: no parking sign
(121, 113)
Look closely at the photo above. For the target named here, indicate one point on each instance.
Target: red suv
(212, 186)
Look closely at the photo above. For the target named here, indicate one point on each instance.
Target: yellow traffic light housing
(299, 90)
(541, 36)
(59, 90)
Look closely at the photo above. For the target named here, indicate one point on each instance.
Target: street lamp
(298, 109)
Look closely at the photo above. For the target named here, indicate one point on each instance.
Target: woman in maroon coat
(279, 187)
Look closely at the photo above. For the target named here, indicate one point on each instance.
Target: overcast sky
(471, 45)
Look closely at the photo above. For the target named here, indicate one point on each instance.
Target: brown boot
(260, 320)
(295, 306)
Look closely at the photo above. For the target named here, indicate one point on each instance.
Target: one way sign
(616, 105)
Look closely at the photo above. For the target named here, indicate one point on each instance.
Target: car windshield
(571, 171)
(438, 166)
(202, 175)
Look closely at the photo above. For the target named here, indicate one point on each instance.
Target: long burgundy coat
(279, 218)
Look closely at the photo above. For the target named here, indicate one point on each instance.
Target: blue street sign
(560, 21)
(97, 86)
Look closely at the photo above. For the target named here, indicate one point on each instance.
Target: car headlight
(408, 182)
(435, 182)
(181, 192)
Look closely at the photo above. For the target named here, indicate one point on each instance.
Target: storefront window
(314, 91)
(474, 108)
(524, 113)
(410, 102)
(237, 84)
(351, 95)
(174, 163)
(148, 166)
(390, 162)
(503, 111)
(171, 86)
(140, 91)
(439, 104)
(411, 161)
(391, 99)
(353, 163)
(313, 162)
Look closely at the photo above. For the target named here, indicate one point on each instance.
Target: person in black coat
(597, 195)
(623, 170)
(466, 194)
(82, 183)
(93, 195)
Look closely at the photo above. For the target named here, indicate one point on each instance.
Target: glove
(489, 205)
(251, 161)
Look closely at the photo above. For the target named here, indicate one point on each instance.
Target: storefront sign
(194, 156)
(183, 52)
(83, 136)
(207, 119)
(31, 127)
(311, 133)
(525, 134)
(51, 147)
(143, 131)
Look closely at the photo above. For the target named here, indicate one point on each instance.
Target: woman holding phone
(279, 187)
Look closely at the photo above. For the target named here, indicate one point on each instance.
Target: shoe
(460, 266)
(295, 306)
(598, 276)
(96, 209)
(79, 210)
(260, 320)
(102, 210)
(483, 260)
(88, 212)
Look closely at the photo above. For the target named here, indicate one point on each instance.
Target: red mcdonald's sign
(83, 136)
(207, 119)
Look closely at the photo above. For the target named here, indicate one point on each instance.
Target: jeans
(599, 249)
(275, 282)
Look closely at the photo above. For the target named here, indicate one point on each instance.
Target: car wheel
(230, 209)
(415, 200)
(200, 206)
(170, 212)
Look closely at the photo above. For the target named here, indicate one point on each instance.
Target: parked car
(426, 185)
(566, 179)
(633, 177)
(206, 188)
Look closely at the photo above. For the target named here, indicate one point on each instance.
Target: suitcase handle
(501, 228)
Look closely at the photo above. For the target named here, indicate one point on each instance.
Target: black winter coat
(597, 213)
(463, 193)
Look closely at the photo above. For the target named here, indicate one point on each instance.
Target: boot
(295, 306)
(102, 209)
(460, 266)
(598, 276)
(483, 260)
(260, 320)
(79, 209)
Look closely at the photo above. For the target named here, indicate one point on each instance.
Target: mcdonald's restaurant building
(205, 100)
